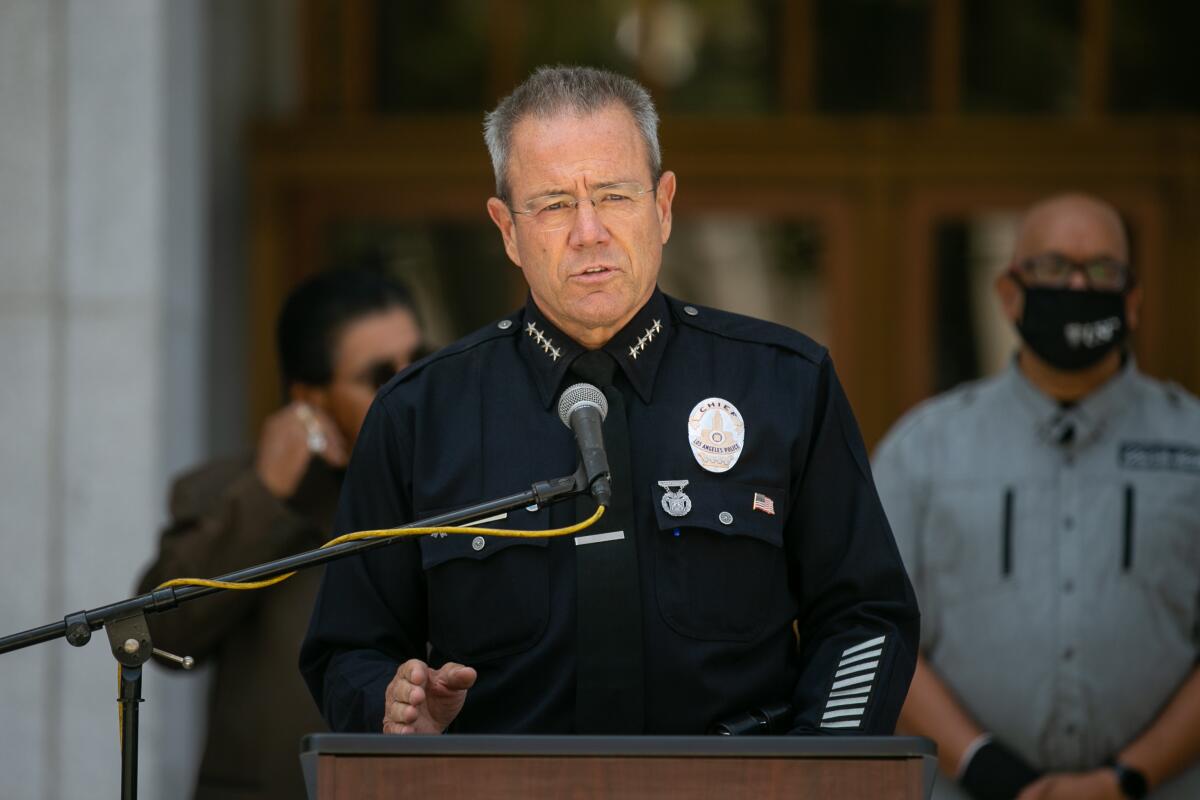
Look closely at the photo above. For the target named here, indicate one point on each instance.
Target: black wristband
(997, 773)
(1132, 782)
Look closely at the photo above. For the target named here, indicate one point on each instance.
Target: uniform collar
(1073, 426)
(638, 347)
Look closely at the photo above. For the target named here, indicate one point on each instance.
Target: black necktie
(609, 675)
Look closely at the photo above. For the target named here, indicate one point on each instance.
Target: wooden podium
(363, 767)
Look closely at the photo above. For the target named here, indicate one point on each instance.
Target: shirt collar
(638, 347)
(1079, 424)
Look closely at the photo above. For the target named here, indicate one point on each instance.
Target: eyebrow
(568, 193)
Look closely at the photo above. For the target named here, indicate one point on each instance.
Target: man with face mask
(1050, 519)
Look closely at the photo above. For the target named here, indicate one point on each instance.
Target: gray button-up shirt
(1056, 556)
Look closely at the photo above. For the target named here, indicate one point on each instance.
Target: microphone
(582, 408)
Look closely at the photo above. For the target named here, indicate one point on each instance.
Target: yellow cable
(385, 533)
(120, 708)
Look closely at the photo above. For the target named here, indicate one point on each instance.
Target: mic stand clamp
(129, 639)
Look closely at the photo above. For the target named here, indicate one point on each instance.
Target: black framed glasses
(1054, 270)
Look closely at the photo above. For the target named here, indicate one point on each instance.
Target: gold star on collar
(544, 341)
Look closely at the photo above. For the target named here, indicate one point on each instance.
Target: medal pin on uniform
(675, 502)
(716, 434)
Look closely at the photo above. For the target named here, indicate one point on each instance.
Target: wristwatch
(1132, 781)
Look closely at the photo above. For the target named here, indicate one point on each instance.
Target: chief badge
(716, 433)
(675, 502)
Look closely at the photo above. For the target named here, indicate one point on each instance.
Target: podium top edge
(367, 744)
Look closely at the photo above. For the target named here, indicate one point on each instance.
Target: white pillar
(101, 345)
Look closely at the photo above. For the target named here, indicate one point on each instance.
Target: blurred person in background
(341, 335)
(1050, 519)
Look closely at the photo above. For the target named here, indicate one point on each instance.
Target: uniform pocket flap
(725, 507)
(438, 548)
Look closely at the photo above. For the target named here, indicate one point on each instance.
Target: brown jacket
(222, 519)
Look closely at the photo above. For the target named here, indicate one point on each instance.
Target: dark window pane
(432, 56)
(578, 33)
(716, 56)
(458, 271)
(971, 338)
(1155, 61)
(872, 55)
(1021, 57)
(761, 267)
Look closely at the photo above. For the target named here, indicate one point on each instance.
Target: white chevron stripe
(843, 712)
(855, 690)
(861, 657)
(855, 681)
(860, 700)
(849, 651)
(843, 724)
(869, 665)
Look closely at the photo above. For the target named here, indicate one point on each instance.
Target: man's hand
(290, 438)
(424, 700)
(1098, 784)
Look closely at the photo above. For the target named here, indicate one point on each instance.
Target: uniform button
(1068, 587)
(1068, 522)
(690, 311)
(1070, 730)
(725, 517)
(477, 543)
(503, 325)
(1068, 654)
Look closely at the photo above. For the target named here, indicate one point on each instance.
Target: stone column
(102, 294)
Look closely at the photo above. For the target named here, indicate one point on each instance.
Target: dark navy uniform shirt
(741, 607)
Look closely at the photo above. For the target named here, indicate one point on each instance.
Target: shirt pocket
(720, 572)
(1159, 546)
(488, 595)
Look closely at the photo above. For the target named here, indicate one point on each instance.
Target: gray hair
(550, 91)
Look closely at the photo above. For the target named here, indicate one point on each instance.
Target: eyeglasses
(1054, 270)
(613, 203)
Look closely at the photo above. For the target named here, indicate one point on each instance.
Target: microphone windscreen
(580, 394)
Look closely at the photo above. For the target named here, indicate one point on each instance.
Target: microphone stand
(129, 634)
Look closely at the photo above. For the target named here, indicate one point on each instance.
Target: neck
(1068, 386)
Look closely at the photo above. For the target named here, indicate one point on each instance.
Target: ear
(503, 218)
(1133, 306)
(662, 202)
(1011, 296)
(316, 396)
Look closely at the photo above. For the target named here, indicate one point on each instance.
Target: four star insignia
(646, 338)
(543, 340)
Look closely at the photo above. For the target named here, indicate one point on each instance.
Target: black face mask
(1072, 329)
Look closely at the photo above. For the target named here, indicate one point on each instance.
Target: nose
(1077, 280)
(588, 229)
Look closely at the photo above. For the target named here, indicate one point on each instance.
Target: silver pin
(478, 543)
(725, 517)
(675, 502)
(187, 662)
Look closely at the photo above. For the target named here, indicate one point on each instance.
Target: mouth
(594, 272)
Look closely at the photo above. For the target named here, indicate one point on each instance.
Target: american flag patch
(763, 503)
